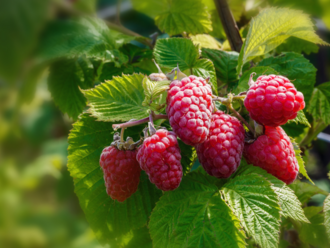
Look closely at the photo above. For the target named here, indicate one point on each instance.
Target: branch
(229, 25)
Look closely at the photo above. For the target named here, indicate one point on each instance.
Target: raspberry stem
(122, 134)
(228, 102)
(152, 129)
(138, 122)
(242, 119)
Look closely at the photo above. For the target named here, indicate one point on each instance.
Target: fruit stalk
(138, 122)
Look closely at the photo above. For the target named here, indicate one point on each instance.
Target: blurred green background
(38, 206)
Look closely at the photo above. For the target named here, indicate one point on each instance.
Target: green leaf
(301, 118)
(289, 203)
(296, 68)
(155, 93)
(109, 70)
(205, 41)
(65, 78)
(257, 207)
(301, 162)
(194, 215)
(204, 68)
(225, 65)
(118, 100)
(86, 6)
(217, 28)
(30, 81)
(109, 219)
(297, 45)
(298, 131)
(89, 36)
(271, 27)
(259, 70)
(151, 8)
(140, 238)
(188, 156)
(326, 210)
(320, 103)
(315, 232)
(20, 25)
(188, 16)
(176, 51)
(304, 191)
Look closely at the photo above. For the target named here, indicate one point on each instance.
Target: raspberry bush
(206, 156)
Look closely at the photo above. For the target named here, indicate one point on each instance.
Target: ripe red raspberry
(273, 152)
(159, 156)
(121, 172)
(273, 100)
(189, 108)
(221, 153)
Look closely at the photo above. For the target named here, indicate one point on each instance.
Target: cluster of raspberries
(218, 137)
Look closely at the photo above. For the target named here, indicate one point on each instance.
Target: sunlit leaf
(297, 45)
(326, 210)
(190, 16)
(205, 41)
(108, 218)
(176, 51)
(118, 100)
(194, 215)
(301, 118)
(271, 28)
(319, 105)
(257, 207)
(289, 203)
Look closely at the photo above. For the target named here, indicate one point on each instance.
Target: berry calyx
(220, 155)
(273, 100)
(189, 108)
(273, 152)
(159, 156)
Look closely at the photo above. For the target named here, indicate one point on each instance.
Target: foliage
(98, 76)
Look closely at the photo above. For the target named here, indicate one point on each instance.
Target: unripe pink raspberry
(189, 108)
(221, 153)
(121, 172)
(273, 100)
(159, 156)
(273, 152)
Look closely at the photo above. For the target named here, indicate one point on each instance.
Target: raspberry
(189, 108)
(273, 100)
(273, 152)
(159, 156)
(121, 172)
(221, 153)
